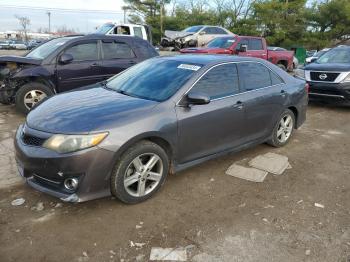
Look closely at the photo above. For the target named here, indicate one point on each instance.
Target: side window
(254, 75)
(255, 44)
(275, 79)
(83, 52)
(242, 42)
(114, 50)
(219, 82)
(220, 31)
(138, 31)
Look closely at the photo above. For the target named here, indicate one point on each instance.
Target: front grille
(32, 140)
(323, 76)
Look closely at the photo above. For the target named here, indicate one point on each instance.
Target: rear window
(114, 50)
(254, 75)
(138, 31)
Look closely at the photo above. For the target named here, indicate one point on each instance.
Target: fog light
(71, 184)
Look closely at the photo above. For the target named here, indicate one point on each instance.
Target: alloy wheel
(285, 128)
(143, 174)
(33, 97)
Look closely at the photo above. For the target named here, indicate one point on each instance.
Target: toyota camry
(122, 137)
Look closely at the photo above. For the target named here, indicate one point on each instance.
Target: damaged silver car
(194, 36)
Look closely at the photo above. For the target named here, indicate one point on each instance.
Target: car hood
(176, 34)
(20, 60)
(87, 110)
(336, 67)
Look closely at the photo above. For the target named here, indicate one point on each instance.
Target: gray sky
(82, 15)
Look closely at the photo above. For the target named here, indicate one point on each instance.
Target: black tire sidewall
(117, 176)
(282, 67)
(20, 106)
(274, 140)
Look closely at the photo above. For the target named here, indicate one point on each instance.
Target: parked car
(194, 36)
(124, 136)
(18, 44)
(35, 43)
(245, 46)
(66, 63)
(329, 76)
(4, 44)
(310, 53)
(317, 55)
(142, 31)
(276, 48)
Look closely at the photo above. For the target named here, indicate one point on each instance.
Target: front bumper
(46, 170)
(331, 92)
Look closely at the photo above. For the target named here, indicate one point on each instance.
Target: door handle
(131, 62)
(238, 105)
(95, 65)
(283, 93)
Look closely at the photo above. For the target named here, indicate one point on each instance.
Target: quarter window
(254, 76)
(84, 52)
(219, 82)
(114, 50)
(220, 31)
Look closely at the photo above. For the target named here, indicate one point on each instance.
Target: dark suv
(66, 63)
(329, 76)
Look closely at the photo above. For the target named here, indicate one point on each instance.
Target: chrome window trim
(340, 78)
(225, 63)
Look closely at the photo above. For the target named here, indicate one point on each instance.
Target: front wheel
(140, 172)
(31, 94)
(283, 130)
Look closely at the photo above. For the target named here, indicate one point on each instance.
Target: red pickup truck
(245, 46)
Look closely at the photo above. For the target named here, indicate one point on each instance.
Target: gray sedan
(123, 136)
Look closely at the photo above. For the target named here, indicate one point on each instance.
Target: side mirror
(202, 32)
(313, 59)
(196, 98)
(243, 48)
(65, 58)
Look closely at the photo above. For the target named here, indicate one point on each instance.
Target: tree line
(285, 23)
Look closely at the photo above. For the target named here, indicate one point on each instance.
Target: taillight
(307, 88)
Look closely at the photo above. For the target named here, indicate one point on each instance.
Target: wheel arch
(36, 79)
(295, 112)
(156, 138)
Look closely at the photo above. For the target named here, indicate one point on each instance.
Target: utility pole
(49, 14)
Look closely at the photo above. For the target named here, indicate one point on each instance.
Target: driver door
(211, 128)
(85, 69)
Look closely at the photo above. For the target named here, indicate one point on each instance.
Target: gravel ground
(216, 216)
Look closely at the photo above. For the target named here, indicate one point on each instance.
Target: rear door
(263, 98)
(85, 68)
(116, 57)
(256, 48)
(208, 129)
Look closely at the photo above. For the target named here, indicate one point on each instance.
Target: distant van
(142, 31)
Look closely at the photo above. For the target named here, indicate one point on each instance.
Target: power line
(61, 9)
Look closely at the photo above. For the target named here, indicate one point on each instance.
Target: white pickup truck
(142, 31)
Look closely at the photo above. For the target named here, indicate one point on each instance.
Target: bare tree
(24, 23)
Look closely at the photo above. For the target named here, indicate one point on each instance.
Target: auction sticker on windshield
(189, 67)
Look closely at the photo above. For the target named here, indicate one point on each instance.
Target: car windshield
(193, 29)
(221, 42)
(154, 79)
(47, 48)
(104, 29)
(335, 56)
(320, 53)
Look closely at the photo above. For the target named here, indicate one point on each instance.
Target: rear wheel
(30, 94)
(140, 172)
(283, 130)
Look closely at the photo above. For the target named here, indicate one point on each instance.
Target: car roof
(208, 59)
(100, 37)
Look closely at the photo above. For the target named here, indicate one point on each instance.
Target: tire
(136, 175)
(40, 90)
(281, 135)
(282, 67)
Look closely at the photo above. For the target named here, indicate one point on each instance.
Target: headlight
(347, 78)
(71, 143)
(300, 73)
